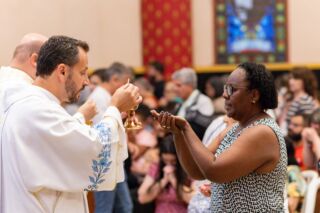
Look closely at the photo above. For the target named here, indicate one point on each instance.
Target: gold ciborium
(132, 123)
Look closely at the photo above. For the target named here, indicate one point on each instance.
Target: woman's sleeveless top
(254, 192)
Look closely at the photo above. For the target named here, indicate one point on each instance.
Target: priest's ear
(62, 72)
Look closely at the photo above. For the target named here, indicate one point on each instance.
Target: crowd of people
(233, 147)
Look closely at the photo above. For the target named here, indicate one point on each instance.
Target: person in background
(147, 91)
(284, 95)
(170, 101)
(155, 75)
(214, 89)
(95, 78)
(297, 123)
(23, 64)
(311, 140)
(296, 184)
(197, 108)
(166, 182)
(303, 86)
(146, 142)
(117, 75)
(112, 78)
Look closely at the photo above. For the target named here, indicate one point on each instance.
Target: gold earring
(253, 101)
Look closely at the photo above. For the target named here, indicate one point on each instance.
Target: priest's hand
(126, 98)
(88, 110)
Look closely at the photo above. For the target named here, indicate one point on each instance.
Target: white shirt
(10, 74)
(48, 157)
(204, 104)
(102, 98)
(214, 129)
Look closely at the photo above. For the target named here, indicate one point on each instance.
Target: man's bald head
(29, 44)
(25, 55)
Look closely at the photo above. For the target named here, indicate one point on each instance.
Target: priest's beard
(71, 89)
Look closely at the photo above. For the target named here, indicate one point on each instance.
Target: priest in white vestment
(22, 69)
(49, 158)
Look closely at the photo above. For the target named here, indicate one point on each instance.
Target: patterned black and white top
(254, 192)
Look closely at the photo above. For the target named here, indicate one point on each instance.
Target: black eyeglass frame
(230, 89)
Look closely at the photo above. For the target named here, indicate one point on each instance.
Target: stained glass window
(254, 30)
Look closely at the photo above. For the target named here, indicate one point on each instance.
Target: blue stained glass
(243, 38)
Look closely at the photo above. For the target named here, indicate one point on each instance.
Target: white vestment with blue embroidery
(49, 159)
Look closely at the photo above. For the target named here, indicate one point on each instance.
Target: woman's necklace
(247, 123)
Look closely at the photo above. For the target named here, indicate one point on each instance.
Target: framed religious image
(254, 30)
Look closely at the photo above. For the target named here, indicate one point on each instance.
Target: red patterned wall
(166, 27)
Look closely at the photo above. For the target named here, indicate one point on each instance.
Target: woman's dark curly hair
(261, 79)
(309, 79)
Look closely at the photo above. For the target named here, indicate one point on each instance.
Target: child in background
(166, 182)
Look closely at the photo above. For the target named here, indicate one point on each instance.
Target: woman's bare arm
(254, 148)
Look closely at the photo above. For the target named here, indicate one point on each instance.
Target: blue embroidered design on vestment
(101, 165)
(104, 132)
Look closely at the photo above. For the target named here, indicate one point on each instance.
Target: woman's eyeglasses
(229, 89)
